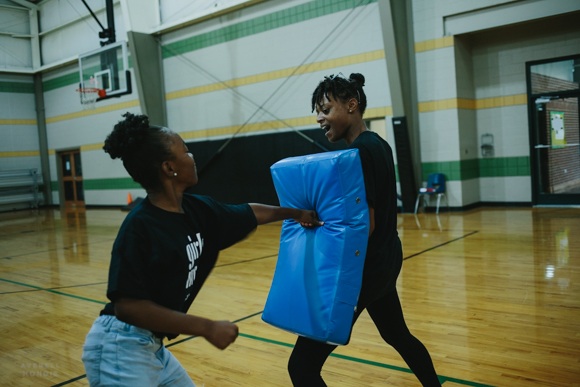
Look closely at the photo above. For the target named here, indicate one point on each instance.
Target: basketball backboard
(106, 69)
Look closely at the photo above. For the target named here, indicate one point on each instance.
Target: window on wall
(554, 106)
(555, 76)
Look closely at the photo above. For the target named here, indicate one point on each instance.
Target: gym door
(555, 131)
(71, 172)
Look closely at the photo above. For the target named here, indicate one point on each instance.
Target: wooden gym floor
(494, 294)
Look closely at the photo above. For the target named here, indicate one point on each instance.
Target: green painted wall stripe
(62, 81)
(264, 23)
(16, 87)
(476, 168)
(103, 184)
(261, 24)
(117, 183)
(504, 166)
(453, 170)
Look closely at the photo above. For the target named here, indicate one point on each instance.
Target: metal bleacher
(19, 186)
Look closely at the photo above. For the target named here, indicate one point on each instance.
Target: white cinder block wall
(474, 83)
(18, 123)
(255, 67)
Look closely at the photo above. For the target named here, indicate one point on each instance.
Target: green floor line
(442, 378)
(53, 291)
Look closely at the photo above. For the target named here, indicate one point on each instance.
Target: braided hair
(341, 88)
(142, 147)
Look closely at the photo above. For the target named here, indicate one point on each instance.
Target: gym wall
(245, 78)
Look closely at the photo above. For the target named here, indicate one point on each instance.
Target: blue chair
(435, 186)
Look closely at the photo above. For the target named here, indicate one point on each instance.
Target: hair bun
(358, 78)
(127, 135)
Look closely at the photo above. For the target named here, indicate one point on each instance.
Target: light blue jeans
(120, 354)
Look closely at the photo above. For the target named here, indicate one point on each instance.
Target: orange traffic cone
(129, 198)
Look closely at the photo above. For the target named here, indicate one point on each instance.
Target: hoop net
(88, 96)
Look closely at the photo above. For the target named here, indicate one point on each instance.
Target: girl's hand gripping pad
(318, 274)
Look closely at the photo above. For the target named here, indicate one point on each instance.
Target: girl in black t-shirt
(164, 251)
(340, 104)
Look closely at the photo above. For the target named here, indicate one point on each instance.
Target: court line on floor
(50, 290)
(440, 245)
(53, 290)
(442, 378)
(404, 258)
(167, 346)
(9, 257)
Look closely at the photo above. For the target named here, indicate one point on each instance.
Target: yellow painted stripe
(98, 110)
(25, 153)
(310, 120)
(92, 147)
(434, 44)
(380, 112)
(453, 103)
(507, 100)
(442, 104)
(17, 122)
(282, 73)
(472, 104)
(371, 113)
(20, 154)
(273, 125)
(253, 127)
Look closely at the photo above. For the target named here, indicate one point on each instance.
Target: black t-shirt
(384, 255)
(166, 257)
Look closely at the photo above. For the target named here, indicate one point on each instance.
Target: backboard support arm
(106, 33)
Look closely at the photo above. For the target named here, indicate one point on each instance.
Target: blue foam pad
(318, 274)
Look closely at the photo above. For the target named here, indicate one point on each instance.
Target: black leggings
(308, 356)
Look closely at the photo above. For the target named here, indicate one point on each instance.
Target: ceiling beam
(26, 4)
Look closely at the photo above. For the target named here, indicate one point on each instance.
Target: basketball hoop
(89, 96)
